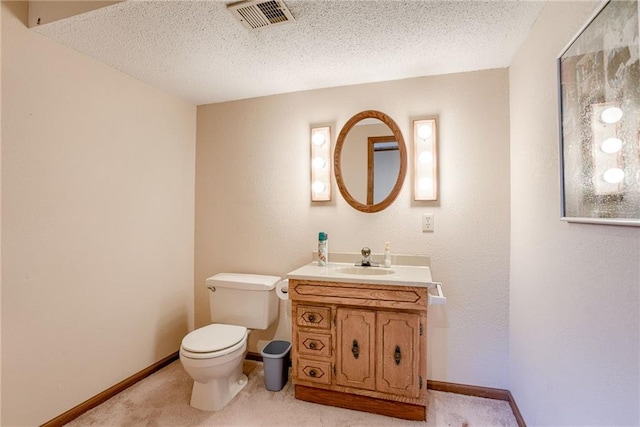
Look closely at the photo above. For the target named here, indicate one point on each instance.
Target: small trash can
(275, 356)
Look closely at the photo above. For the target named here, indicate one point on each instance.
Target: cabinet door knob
(397, 355)
(355, 350)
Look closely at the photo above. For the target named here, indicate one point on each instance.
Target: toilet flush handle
(212, 288)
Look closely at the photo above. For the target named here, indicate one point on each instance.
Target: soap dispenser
(387, 255)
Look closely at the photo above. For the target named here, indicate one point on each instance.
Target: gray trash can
(275, 356)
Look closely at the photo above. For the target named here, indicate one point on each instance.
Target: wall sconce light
(425, 160)
(608, 166)
(320, 164)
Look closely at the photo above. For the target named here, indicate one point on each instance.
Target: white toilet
(213, 355)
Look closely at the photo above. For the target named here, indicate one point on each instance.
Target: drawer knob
(312, 318)
(312, 345)
(313, 373)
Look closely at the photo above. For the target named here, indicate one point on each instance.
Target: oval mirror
(370, 161)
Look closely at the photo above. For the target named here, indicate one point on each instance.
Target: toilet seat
(213, 341)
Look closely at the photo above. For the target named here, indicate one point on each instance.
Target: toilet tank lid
(252, 282)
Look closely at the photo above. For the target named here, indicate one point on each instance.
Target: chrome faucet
(366, 260)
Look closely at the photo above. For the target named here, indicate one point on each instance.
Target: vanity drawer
(313, 316)
(314, 344)
(314, 371)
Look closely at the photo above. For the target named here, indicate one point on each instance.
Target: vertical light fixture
(425, 160)
(608, 167)
(320, 164)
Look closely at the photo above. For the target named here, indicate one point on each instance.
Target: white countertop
(403, 275)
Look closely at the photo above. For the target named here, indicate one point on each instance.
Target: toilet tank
(248, 300)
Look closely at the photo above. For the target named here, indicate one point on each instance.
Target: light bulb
(611, 115)
(613, 175)
(425, 157)
(424, 131)
(318, 163)
(318, 138)
(425, 183)
(611, 145)
(318, 186)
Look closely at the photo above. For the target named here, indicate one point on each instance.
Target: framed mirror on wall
(599, 96)
(370, 161)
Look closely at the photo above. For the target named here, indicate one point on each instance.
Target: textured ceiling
(198, 51)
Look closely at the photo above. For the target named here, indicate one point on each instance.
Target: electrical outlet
(427, 222)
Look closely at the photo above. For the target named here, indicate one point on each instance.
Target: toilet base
(215, 394)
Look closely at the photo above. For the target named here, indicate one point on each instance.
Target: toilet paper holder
(282, 289)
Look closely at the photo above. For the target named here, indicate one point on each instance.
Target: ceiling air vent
(256, 14)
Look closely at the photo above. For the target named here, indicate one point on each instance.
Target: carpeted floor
(163, 400)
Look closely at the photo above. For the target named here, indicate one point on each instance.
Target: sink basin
(363, 271)
(347, 272)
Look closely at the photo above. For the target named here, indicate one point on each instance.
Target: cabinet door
(355, 356)
(398, 342)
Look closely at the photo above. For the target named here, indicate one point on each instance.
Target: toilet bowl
(213, 357)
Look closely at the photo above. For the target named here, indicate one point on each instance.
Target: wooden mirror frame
(370, 114)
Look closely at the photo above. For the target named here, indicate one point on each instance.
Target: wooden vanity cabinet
(360, 346)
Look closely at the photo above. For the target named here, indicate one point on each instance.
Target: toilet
(213, 355)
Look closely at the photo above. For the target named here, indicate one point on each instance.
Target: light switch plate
(427, 222)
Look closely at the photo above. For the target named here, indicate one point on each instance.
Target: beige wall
(0, 217)
(254, 215)
(575, 319)
(97, 217)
